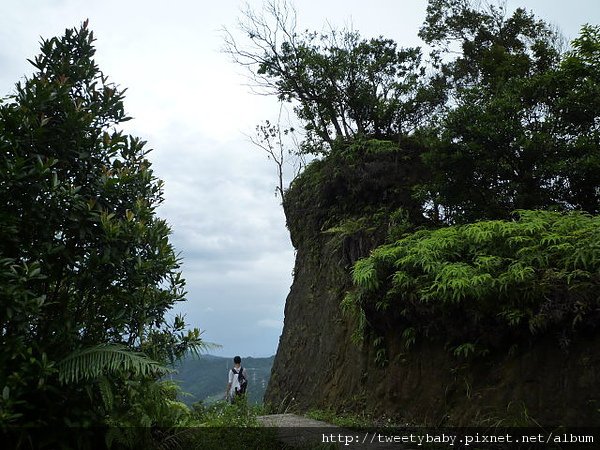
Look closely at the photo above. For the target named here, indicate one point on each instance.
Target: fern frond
(364, 274)
(92, 362)
(350, 304)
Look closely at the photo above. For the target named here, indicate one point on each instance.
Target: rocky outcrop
(319, 366)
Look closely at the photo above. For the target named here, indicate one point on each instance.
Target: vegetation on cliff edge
(484, 286)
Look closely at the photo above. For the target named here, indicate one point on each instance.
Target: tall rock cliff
(337, 211)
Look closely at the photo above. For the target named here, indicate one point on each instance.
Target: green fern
(358, 335)
(93, 362)
(381, 358)
(409, 336)
(465, 350)
(364, 274)
(349, 304)
(536, 272)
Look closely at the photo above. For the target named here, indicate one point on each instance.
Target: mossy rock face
(355, 190)
(356, 181)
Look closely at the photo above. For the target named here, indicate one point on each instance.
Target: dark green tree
(576, 119)
(516, 134)
(87, 273)
(490, 47)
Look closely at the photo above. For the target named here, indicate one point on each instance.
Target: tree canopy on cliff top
(341, 85)
(500, 107)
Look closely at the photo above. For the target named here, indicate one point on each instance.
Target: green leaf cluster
(487, 283)
(345, 85)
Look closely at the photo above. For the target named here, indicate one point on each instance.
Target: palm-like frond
(92, 362)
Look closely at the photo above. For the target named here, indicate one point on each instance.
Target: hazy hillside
(205, 378)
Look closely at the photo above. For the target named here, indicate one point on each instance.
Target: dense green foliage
(363, 186)
(500, 280)
(346, 85)
(521, 128)
(87, 273)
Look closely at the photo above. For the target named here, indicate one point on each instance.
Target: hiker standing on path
(238, 380)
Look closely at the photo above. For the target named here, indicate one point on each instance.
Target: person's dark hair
(237, 360)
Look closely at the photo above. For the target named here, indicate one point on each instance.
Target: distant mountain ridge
(204, 378)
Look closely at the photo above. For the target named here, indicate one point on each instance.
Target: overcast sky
(192, 105)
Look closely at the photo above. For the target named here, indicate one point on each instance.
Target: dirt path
(291, 420)
(295, 430)
(307, 433)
